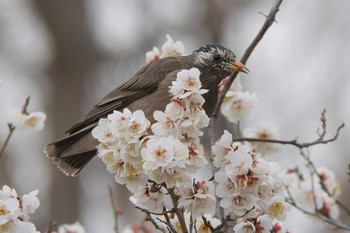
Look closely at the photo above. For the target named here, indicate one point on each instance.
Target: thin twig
(25, 106)
(11, 128)
(154, 213)
(294, 142)
(170, 226)
(270, 18)
(155, 224)
(116, 215)
(178, 212)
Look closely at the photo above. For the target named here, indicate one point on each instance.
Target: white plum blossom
(328, 179)
(262, 131)
(239, 106)
(197, 198)
(102, 132)
(68, 228)
(238, 204)
(33, 121)
(244, 227)
(157, 153)
(171, 48)
(278, 208)
(166, 124)
(150, 197)
(9, 210)
(223, 147)
(152, 55)
(29, 203)
(203, 227)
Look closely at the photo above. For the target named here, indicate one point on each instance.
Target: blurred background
(68, 54)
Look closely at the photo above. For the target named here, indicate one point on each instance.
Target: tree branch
(320, 140)
(270, 18)
(11, 128)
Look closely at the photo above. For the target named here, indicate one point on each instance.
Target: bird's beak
(239, 67)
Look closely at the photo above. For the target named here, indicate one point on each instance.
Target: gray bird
(147, 90)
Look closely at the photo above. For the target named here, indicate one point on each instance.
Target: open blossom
(157, 153)
(262, 131)
(102, 132)
(29, 203)
(328, 178)
(197, 198)
(238, 204)
(31, 121)
(171, 48)
(9, 210)
(150, 197)
(187, 82)
(153, 55)
(278, 208)
(223, 147)
(68, 228)
(239, 106)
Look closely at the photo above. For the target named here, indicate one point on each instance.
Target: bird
(148, 90)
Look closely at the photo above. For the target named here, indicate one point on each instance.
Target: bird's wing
(144, 82)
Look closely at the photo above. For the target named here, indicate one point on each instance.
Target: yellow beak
(238, 66)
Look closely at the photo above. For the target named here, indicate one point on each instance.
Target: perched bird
(147, 90)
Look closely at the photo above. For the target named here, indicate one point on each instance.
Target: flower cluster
(151, 159)
(248, 186)
(316, 193)
(15, 210)
(169, 49)
(238, 105)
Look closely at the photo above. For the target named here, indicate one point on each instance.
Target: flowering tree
(158, 162)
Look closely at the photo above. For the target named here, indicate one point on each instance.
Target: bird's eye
(217, 57)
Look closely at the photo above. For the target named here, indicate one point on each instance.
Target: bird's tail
(74, 152)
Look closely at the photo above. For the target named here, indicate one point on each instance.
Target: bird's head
(218, 58)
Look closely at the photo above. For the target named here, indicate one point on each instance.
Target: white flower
(171, 49)
(244, 227)
(157, 153)
(262, 131)
(32, 121)
(240, 164)
(226, 187)
(153, 55)
(223, 147)
(9, 210)
(279, 227)
(7, 192)
(328, 178)
(197, 198)
(329, 207)
(202, 227)
(29, 203)
(278, 208)
(186, 81)
(239, 203)
(150, 197)
(119, 121)
(102, 132)
(69, 228)
(137, 124)
(175, 110)
(263, 224)
(165, 125)
(240, 106)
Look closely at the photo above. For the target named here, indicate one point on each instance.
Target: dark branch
(11, 128)
(320, 140)
(270, 18)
